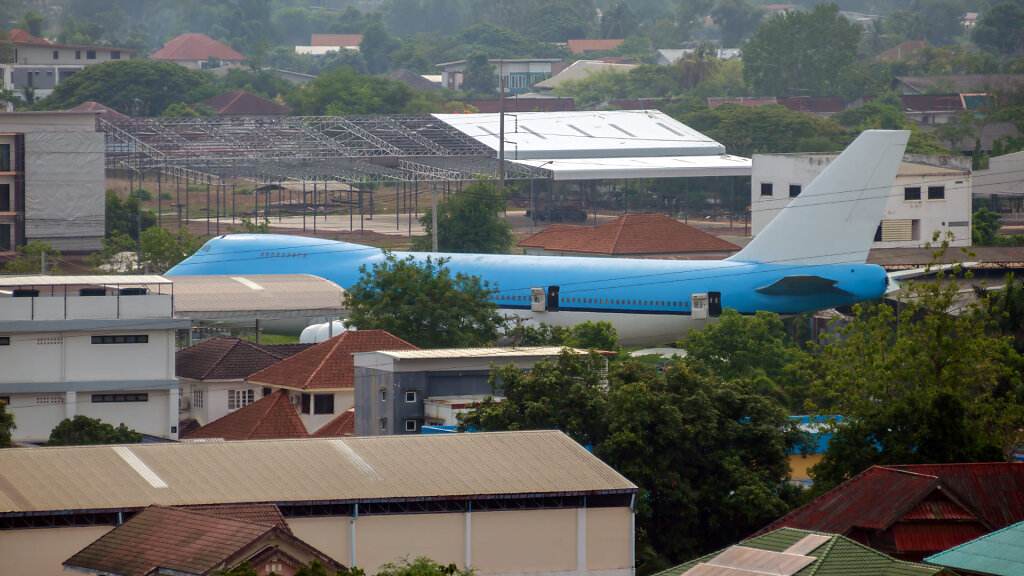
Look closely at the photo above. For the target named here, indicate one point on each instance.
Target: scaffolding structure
(266, 150)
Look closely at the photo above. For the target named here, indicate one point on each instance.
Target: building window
(912, 193)
(56, 54)
(5, 157)
(766, 188)
(90, 54)
(5, 197)
(78, 54)
(121, 339)
(115, 54)
(410, 425)
(197, 398)
(323, 404)
(384, 424)
(50, 399)
(304, 404)
(5, 340)
(410, 395)
(239, 398)
(103, 398)
(794, 190)
(383, 395)
(936, 192)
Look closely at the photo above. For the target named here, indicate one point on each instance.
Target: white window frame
(410, 396)
(240, 398)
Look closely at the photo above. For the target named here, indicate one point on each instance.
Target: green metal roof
(837, 556)
(1000, 553)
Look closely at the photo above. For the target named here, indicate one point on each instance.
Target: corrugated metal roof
(309, 470)
(930, 536)
(83, 280)
(443, 353)
(1000, 553)
(269, 295)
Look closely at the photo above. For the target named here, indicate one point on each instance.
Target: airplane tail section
(834, 219)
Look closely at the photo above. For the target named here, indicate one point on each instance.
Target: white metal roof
(84, 280)
(307, 470)
(598, 134)
(648, 167)
(258, 295)
(444, 353)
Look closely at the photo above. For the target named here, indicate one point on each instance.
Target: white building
(51, 180)
(99, 346)
(930, 194)
(519, 75)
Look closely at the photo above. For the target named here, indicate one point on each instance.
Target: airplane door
(552, 299)
(699, 306)
(714, 304)
(536, 299)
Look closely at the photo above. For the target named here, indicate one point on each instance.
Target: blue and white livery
(810, 257)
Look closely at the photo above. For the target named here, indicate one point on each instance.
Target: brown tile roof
(269, 418)
(343, 425)
(22, 37)
(168, 538)
(587, 45)
(227, 359)
(106, 111)
(336, 40)
(328, 364)
(239, 102)
(262, 513)
(195, 46)
(629, 234)
(904, 51)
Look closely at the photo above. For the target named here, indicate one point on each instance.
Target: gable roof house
(197, 51)
(319, 382)
(242, 103)
(913, 511)
(196, 542)
(587, 45)
(791, 552)
(632, 235)
(320, 44)
(212, 376)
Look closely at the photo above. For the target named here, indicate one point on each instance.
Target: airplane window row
(577, 300)
(281, 255)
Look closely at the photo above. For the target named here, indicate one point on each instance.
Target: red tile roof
(926, 507)
(336, 40)
(240, 102)
(195, 46)
(269, 418)
(905, 51)
(106, 112)
(22, 37)
(587, 45)
(629, 234)
(328, 364)
(343, 425)
(168, 538)
(266, 514)
(228, 359)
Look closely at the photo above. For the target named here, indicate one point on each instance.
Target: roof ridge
(220, 358)
(185, 508)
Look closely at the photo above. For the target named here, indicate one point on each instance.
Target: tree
(82, 430)
(800, 53)
(600, 335)
(469, 221)
(737, 19)
(421, 302)
(122, 216)
(1006, 305)
(618, 21)
(344, 91)
(135, 87)
(6, 425)
(691, 15)
(772, 128)
(1000, 29)
(930, 381)
(376, 48)
(479, 77)
(161, 250)
(421, 566)
(30, 257)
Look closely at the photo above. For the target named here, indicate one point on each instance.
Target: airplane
(810, 257)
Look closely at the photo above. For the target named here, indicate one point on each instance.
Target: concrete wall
(39, 552)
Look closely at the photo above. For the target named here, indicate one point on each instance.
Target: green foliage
(709, 456)
(1006, 305)
(600, 335)
(618, 21)
(931, 382)
(122, 216)
(1000, 28)
(82, 430)
(984, 227)
(421, 566)
(182, 110)
(479, 77)
(29, 259)
(262, 83)
(161, 250)
(113, 255)
(251, 227)
(469, 221)
(135, 87)
(737, 19)
(800, 53)
(774, 128)
(756, 349)
(376, 48)
(422, 303)
(344, 91)
(6, 425)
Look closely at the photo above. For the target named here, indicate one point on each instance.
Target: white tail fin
(834, 219)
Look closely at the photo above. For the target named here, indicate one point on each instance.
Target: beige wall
(40, 551)
(524, 541)
(383, 539)
(328, 534)
(609, 540)
(799, 464)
